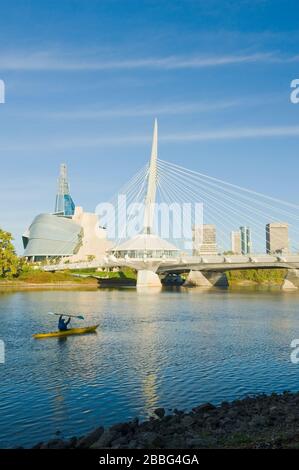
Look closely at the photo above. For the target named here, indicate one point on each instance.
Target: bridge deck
(219, 263)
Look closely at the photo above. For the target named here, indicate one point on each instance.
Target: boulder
(160, 412)
(206, 407)
(106, 439)
(90, 438)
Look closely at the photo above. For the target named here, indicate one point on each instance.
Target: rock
(225, 404)
(44, 446)
(149, 439)
(226, 421)
(187, 421)
(195, 443)
(257, 422)
(105, 440)
(120, 442)
(264, 421)
(38, 446)
(160, 412)
(178, 412)
(56, 444)
(175, 442)
(122, 428)
(204, 408)
(90, 439)
(73, 441)
(133, 444)
(135, 423)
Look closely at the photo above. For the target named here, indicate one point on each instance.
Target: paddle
(70, 316)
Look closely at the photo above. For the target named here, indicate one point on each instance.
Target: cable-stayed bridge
(154, 221)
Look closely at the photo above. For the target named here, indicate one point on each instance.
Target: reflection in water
(172, 348)
(148, 290)
(150, 392)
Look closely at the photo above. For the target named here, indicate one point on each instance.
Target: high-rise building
(246, 245)
(236, 242)
(277, 238)
(64, 204)
(204, 240)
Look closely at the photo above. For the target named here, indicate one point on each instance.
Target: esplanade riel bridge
(203, 227)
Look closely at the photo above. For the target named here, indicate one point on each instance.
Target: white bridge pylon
(150, 200)
(146, 251)
(273, 225)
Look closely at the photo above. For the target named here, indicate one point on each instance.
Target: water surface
(172, 349)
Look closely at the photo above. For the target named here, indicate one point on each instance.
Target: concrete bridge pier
(291, 281)
(206, 279)
(148, 278)
(197, 279)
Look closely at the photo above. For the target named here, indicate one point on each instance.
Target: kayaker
(62, 324)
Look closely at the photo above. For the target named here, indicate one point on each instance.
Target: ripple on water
(171, 349)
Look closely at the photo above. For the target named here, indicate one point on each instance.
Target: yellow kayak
(71, 331)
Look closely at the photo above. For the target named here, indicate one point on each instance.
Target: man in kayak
(62, 324)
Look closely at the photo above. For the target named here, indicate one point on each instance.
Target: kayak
(71, 331)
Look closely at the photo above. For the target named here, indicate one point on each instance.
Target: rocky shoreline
(263, 421)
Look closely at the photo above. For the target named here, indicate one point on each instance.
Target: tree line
(10, 263)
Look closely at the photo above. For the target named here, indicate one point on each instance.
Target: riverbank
(255, 422)
(44, 280)
(73, 279)
(93, 279)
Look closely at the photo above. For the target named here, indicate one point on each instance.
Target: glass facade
(245, 240)
(64, 204)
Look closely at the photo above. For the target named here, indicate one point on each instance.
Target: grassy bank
(38, 278)
(266, 277)
(125, 273)
(89, 278)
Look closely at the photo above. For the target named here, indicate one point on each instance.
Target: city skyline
(205, 237)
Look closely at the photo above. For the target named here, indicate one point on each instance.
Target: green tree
(9, 261)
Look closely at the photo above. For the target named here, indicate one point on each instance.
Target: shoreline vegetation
(31, 278)
(259, 422)
(72, 279)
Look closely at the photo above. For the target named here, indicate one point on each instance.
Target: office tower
(245, 240)
(236, 242)
(204, 240)
(277, 238)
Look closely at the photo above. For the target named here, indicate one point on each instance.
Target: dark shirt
(62, 324)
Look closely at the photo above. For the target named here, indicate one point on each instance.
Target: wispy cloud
(234, 134)
(86, 142)
(49, 62)
(138, 111)
(90, 112)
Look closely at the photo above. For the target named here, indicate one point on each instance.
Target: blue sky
(85, 79)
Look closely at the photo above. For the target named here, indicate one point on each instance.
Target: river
(174, 349)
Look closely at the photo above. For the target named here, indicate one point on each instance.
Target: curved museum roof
(50, 235)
